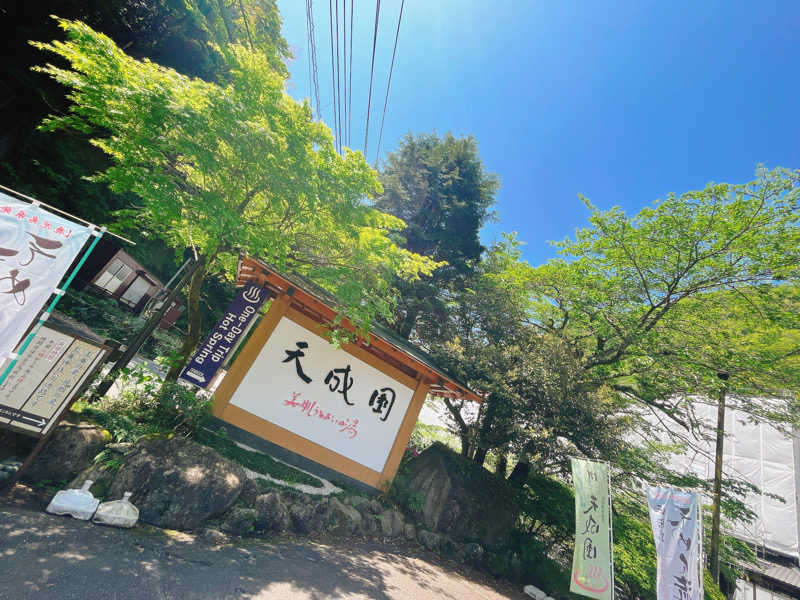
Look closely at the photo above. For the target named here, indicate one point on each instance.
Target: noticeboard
(46, 379)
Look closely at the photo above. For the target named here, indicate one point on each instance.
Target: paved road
(44, 556)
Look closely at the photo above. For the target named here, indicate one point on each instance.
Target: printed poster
(592, 560)
(36, 249)
(674, 515)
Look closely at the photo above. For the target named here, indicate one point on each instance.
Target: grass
(255, 461)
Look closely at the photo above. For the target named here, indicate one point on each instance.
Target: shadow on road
(43, 556)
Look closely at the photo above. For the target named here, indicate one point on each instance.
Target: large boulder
(392, 524)
(462, 499)
(70, 450)
(273, 515)
(343, 519)
(177, 483)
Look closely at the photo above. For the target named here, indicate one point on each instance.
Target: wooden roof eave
(440, 384)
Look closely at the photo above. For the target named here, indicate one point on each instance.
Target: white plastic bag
(77, 503)
(119, 513)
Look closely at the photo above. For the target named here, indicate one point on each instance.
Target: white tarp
(36, 249)
(674, 516)
(761, 455)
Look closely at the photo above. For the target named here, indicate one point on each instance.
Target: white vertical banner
(677, 530)
(36, 249)
(593, 554)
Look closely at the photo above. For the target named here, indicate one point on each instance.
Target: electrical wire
(333, 72)
(344, 62)
(350, 92)
(388, 85)
(372, 72)
(338, 84)
(313, 53)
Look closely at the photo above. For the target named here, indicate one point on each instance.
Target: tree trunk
(193, 316)
(520, 473)
(715, 514)
(480, 455)
(502, 465)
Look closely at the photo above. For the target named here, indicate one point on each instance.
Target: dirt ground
(45, 556)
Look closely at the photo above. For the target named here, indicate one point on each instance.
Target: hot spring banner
(210, 355)
(36, 249)
(674, 515)
(593, 557)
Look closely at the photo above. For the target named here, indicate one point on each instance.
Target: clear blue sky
(622, 102)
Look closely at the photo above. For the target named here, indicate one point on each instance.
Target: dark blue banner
(215, 349)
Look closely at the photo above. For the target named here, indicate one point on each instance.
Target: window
(114, 276)
(136, 291)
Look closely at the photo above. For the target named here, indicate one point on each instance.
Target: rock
(461, 498)
(355, 501)
(409, 531)
(308, 518)
(429, 539)
(249, 493)
(370, 507)
(177, 483)
(470, 553)
(240, 521)
(370, 524)
(215, 536)
(343, 519)
(102, 470)
(69, 451)
(392, 524)
(447, 545)
(273, 515)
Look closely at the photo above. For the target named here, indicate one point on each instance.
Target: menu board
(45, 379)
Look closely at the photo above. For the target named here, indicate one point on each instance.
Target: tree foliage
(234, 167)
(440, 188)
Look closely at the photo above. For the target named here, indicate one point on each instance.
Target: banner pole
(59, 292)
(610, 530)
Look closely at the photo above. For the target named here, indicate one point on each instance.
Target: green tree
(440, 188)
(234, 167)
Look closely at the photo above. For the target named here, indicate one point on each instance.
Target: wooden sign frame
(225, 411)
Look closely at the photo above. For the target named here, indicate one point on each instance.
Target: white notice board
(45, 378)
(300, 382)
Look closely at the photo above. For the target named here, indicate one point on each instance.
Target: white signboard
(36, 249)
(300, 382)
(45, 379)
(674, 516)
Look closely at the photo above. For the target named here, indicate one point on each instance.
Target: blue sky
(622, 102)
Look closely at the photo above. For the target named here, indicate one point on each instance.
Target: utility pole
(144, 333)
(715, 515)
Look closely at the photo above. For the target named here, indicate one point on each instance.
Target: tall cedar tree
(441, 189)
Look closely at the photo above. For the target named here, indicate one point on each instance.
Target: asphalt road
(43, 556)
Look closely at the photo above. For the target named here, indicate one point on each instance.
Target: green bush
(175, 408)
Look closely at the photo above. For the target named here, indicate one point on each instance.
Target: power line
(372, 72)
(338, 83)
(333, 70)
(350, 91)
(313, 53)
(344, 62)
(388, 85)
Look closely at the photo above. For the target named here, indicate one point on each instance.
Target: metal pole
(143, 334)
(716, 506)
